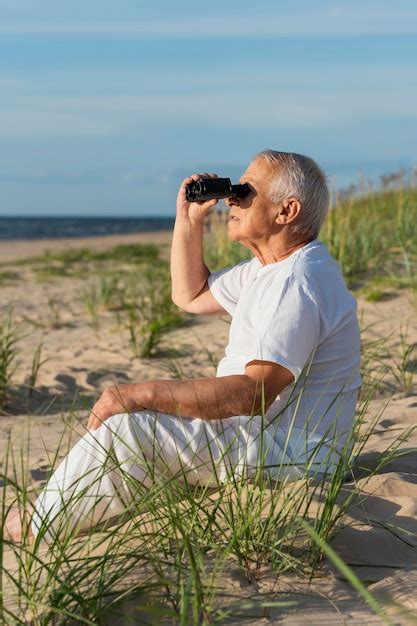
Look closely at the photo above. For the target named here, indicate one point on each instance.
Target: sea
(13, 228)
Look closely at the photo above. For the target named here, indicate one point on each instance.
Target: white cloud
(104, 115)
(329, 77)
(339, 19)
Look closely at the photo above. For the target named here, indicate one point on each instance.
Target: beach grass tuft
(37, 363)
(75, 262)
(375, 236)
(9, 338)
(8, 277)
(149, 310)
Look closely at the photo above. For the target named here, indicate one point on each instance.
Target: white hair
(301, 177)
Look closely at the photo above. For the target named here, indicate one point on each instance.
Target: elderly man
(289, 379)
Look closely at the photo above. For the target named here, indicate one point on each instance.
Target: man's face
(253, 218)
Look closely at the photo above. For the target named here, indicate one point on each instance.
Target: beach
(83, 351)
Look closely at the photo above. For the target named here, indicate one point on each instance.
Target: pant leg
(94, 482)
(304, 453)
(90, 485)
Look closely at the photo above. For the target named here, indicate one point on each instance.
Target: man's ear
(288, 211)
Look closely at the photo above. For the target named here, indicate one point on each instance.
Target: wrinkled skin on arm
(205, 398)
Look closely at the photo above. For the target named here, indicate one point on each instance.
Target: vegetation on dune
(141, 301)
(124, 253)
(8, 277)
(9, 337)
(150, 311)
(171, 562)
(375, 237)
(74, 263)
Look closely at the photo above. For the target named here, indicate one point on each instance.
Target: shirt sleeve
(289, 331)
(226, 285)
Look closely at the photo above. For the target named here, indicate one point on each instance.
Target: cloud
(334, 20)
(56, 178)
(76, 176)
(107, 115)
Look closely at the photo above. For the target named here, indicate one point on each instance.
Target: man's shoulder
(243, 269)
(234, 277)
(315, 263)
(322, 279)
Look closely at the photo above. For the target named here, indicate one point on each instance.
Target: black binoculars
(209, 188)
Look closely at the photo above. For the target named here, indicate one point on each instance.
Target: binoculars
(210, 188)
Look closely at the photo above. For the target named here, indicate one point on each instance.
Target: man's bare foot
(14, 523)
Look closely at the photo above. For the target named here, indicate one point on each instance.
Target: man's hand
(193, 210)
(116, 399)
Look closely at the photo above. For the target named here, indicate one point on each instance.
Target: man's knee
(130, 428)
(114, 428)
(118, 423)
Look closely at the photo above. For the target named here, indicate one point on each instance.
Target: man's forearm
(188, 270)
(206, 398)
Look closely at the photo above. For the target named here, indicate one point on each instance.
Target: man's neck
(273, 252)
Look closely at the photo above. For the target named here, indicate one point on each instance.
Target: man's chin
(232, 236)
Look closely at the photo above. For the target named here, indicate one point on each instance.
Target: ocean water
(12, 228)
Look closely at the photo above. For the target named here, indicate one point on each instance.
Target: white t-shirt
(298, 313)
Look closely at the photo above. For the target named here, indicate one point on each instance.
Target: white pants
(94, 482)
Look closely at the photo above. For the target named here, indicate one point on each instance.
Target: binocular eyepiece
(210, 188)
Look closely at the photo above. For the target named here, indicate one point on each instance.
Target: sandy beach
(80, 360)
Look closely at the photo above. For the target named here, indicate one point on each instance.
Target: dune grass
(74, 263)
(124, 253)
(9, 338)
(150, 311)
(141, 300)
(171, 561)
(375, 237)
(37, 363)
(8, 277)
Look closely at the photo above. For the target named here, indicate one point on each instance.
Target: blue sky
(106, 106)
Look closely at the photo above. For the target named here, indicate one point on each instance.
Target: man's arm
(189, 273)
(206, 398)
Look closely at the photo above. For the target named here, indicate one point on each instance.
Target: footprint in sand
(100, 377)
(41, 473)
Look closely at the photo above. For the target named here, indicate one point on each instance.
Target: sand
(80, 362)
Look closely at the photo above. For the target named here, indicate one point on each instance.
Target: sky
(106, 106)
